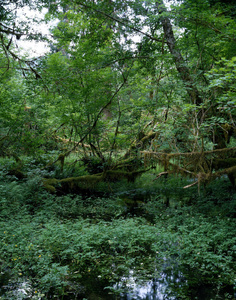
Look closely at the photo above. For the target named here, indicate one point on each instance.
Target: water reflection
(150, 290)
(169, 285)
(14, 289)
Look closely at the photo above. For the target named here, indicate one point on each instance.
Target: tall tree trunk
(178, 58)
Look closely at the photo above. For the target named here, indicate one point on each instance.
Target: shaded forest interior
(117, 148)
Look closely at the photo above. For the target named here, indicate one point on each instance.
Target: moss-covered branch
(88, 182)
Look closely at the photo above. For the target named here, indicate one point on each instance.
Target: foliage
(59, 245)
(99, 91)
(223, 79)
(127, 87)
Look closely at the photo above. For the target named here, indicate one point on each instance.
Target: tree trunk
(178, 58)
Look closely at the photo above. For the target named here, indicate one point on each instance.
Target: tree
(140, 71)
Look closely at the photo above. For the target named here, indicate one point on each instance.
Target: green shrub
(63, 245)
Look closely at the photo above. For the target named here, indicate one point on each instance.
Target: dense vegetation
(118, 149)
(72, 246)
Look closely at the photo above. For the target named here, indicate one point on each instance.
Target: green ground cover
(64, 245)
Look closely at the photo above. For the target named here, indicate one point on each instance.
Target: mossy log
(205, 166)
(49, 184)
(72, 184)
(87, 182)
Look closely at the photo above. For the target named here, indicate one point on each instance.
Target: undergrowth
(63, 246)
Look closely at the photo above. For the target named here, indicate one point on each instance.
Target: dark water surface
(170, 286)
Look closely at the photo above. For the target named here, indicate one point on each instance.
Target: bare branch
(160, 174)
(192, 184)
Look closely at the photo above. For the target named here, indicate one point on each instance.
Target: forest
(118, 149)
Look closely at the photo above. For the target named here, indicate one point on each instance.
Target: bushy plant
(64, 245)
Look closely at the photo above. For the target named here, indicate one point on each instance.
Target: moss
(88, 182)
(49, 184)
(81, 182)
(51, 189)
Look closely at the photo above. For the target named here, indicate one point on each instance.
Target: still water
(171, 284)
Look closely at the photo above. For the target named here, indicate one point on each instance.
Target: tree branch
(116, 19)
